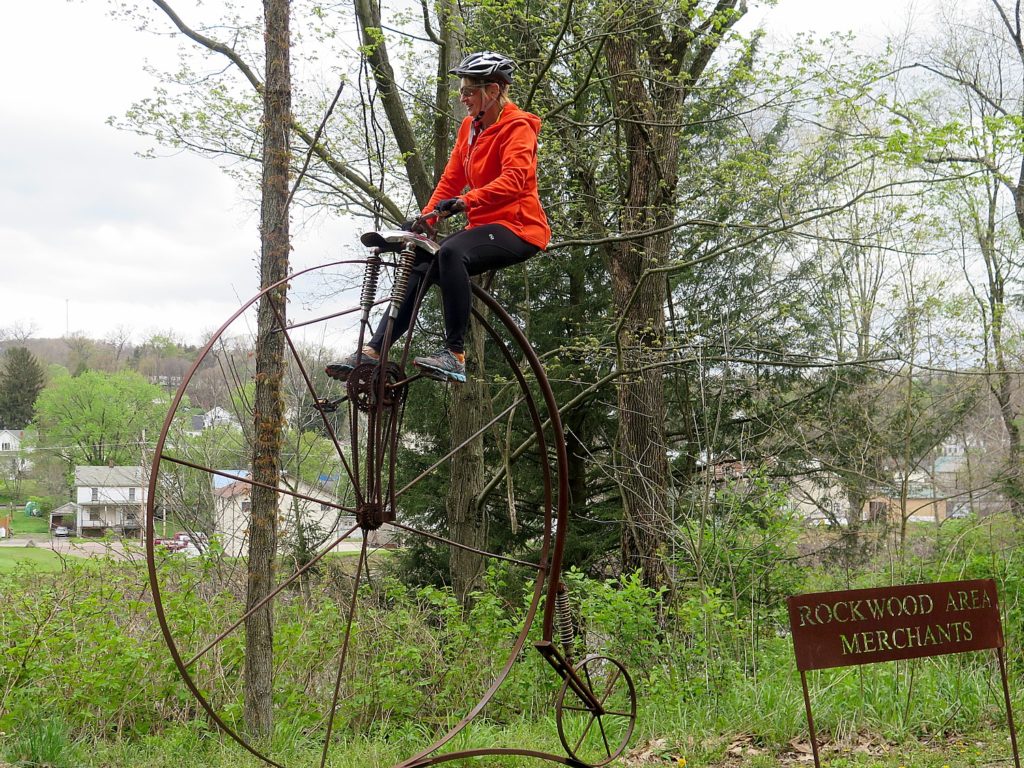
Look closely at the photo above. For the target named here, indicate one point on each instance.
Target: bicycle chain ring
(363, 386)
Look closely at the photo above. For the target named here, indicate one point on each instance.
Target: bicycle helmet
(486, 65)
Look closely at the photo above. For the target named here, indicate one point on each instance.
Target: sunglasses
(468, 90)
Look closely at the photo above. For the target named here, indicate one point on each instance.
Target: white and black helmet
(486, 65)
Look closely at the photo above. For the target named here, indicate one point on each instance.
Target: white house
(110, 500)
(322, 520)
(11, 439)
(819, 498)
(217, 416)
(12, 459)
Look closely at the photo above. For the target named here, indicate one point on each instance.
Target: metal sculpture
(202, 485)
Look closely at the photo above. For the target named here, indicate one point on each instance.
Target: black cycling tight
(462, 255)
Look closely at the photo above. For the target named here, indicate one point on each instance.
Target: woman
(491, 176)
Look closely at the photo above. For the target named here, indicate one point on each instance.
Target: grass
(40, 558)
(30, 525)
(43, 743)
(671, 748)
(716, 711)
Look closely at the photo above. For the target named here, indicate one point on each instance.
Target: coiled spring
(405, 265)
(371, 277)
(563, 614)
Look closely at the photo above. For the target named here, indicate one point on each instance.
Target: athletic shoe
(342, 369)
(443, 365)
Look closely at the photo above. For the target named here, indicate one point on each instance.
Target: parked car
(61, 530)
(171, 545)
(188, 544)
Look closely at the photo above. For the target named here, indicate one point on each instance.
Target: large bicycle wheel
(375, 543)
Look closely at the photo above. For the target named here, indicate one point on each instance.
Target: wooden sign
(863, 626)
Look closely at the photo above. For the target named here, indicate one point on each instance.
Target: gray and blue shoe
(342, 369)
(442, 366)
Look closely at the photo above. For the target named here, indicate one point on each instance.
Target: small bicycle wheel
(595, 725)
(368, 626)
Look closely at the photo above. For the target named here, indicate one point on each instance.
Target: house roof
(219, 481)
(65, 509)
(237, 488)
(950, 463)
(108, 477)
(243, 488)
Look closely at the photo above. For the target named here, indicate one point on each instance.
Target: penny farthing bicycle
(365, 485)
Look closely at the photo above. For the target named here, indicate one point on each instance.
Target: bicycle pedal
(325, 405)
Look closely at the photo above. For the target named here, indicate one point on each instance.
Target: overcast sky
(93, 237)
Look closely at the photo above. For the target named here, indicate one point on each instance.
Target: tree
(971, 130)
(643, 127)
(99, 418)
(19, 332)
(268, 403)
(80, 352)
(21, 381)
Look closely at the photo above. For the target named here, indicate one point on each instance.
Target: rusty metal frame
(550, 556)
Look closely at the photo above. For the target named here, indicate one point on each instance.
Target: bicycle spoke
(616, 713)
(309, 386)
(331, 316)
(330, 470)
(271, 596)
(586, 730)
(466, 547)
(604, 736)
(611, 685)
(433, 467)
(344, 653)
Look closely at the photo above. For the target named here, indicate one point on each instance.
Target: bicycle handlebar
(430, 219)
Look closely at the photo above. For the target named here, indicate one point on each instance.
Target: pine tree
(21, 380)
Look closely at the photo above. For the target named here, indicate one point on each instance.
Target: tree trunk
(641, 460)
(655, 57)
(268, 417)
(447, 102)
(1000, 377)
(1002, 387)
(641, 453)
(466, 520)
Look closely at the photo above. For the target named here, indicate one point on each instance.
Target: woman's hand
(417, 225)
(451, 206)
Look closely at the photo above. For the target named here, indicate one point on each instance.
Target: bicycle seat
(397, 239)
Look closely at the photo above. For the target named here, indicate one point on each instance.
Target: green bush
(84, 661)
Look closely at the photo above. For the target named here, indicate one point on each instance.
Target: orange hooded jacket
(500, 169)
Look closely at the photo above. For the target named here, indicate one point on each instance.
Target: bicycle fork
(562, 664)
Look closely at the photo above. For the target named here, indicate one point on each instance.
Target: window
(131, 494)
(246, 506)
(94, 516)
(95, 494)
(5, 447)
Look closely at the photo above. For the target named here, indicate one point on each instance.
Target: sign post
(865, 626)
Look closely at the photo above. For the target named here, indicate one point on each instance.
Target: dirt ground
(76, 547)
